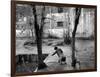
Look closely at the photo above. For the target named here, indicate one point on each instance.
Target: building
(59, 21)
(63, 19)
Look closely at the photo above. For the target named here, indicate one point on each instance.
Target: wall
(5, 52)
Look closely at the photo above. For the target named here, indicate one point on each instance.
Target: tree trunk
(77, 15)
(41, 64)
(38, 32)
(32, 33)
(67, 38)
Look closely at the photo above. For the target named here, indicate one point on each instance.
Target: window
(60, 24)
(60, 10)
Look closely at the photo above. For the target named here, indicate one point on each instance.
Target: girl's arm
(54, 53)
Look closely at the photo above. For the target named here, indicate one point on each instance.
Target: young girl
(59, 52)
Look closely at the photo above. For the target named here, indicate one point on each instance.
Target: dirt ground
(85, 53)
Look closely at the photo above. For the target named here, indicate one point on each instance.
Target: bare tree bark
(38, 32)
(31, 27)
(67, 39)
(77, 15)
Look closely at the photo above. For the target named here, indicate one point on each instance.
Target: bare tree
(77, 15)
(67, 38)
(38, 33)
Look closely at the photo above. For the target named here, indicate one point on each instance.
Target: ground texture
(84, 53)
